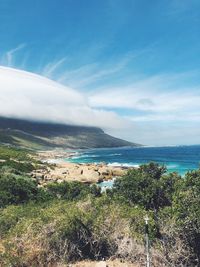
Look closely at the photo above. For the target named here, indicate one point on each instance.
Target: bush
(16, 189)
(186, 210)
(20, 166)
(147, 186)
(44, 234)
(67, 190)
(8, 152)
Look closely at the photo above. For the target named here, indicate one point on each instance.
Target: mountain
(43, 135)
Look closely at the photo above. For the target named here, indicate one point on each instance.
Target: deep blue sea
(177, 158)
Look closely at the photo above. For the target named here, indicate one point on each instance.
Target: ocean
(176, 158)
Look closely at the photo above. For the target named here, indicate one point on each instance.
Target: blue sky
(135, 60)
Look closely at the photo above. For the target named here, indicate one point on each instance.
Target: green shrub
(39, 234)
(8, 152)
(25, 167)
(71, 190)
(147, 186)
(15, 189)
(186, 210)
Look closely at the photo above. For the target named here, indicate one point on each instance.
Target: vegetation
(69, 221)
(41, 135)
(148, 186)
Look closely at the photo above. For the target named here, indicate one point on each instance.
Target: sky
(131, 67)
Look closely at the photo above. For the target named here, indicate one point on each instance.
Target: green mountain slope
(39, 135)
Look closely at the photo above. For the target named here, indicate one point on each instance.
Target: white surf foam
(118, 164)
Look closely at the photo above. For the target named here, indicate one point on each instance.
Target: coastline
(59, 170)
(176, 159)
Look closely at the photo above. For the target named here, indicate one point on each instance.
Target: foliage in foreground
(60, 231)
(175, 203)
(71, 221)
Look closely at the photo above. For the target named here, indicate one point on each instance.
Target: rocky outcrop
(86, 173)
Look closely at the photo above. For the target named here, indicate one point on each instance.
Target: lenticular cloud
(29, 96)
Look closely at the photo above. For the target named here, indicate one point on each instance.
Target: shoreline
(59, 170)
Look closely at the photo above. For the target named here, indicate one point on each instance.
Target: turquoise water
(180, 158)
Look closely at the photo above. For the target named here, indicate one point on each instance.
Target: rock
(39, 176)
(86, 173)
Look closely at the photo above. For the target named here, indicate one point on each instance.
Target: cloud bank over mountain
(29, 96)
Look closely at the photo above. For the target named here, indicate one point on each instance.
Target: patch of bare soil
(114, 263)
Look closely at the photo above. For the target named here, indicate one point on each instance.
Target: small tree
(148, 186)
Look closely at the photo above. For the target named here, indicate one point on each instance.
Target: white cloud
(30, 96)
(89, 74)
(158, 95)
(10, 54)
(163, 109)
(158, 110)
(50, 68)
(162, 134)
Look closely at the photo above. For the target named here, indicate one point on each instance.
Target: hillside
(41, 135)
